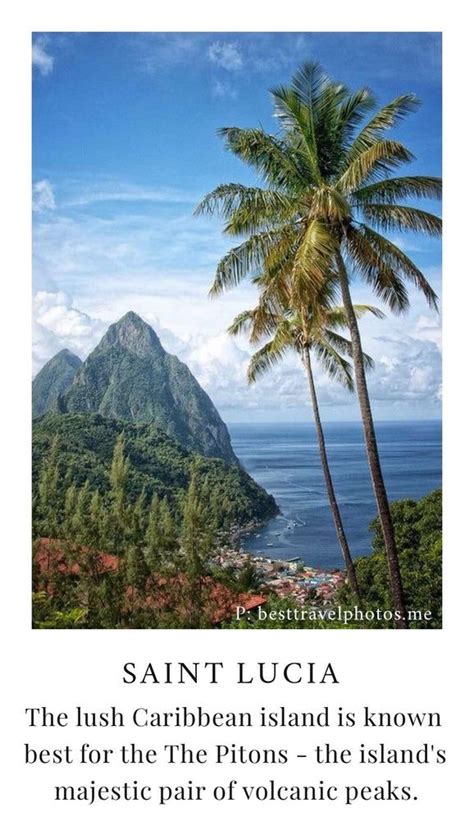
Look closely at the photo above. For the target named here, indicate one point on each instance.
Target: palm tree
(329, 196)
(310, 330)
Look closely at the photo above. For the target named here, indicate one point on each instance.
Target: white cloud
(42, 60)
(57, 325)
(158, 50)
(223, 90)
(83, 195)
(428, 329)
(408, 370)
(260, 52)
(225, 54)
(43, 196)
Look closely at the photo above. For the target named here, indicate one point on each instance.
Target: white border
(423, 667)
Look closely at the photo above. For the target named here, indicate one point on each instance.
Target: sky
(125, 145)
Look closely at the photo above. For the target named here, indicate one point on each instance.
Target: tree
(248, 578)
(169, 536)
(138, 516)
(312, 329)
(47, 502)
(136, 569)
(80, 523)
(97, 535)
(418, 530)
(70, 503)
(119, 471)
(196, 546)
(153, 536)
(329, 195)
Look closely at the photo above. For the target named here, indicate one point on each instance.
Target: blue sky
(125, 144)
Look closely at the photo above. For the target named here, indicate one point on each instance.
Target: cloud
(83, 194)
(407, 370)
(162, 50)
(429, 329)
(42, 60)
(57, 325)
(223, 90)
(43, 196)
(225, 54)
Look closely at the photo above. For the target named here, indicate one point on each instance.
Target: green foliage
(136, 568)
(418, 531)
(47, 498)
(161, 536)
(147, 460)
(45, 616)
(248, 578)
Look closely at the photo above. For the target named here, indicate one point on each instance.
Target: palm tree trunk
(351, 574)
(401, 620)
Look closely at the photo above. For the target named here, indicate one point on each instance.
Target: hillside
(53, 380)
(157, 463)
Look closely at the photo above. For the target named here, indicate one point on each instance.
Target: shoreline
(282, 577)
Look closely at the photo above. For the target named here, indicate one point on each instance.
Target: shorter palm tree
(306, 331)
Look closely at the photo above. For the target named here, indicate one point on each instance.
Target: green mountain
(129, 376)
(84, 445)
(53, 380)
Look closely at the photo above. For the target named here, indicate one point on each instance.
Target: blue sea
(283, 458)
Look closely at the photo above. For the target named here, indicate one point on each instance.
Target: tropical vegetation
(125, 522)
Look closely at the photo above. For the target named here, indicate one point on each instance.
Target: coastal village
(285, 578)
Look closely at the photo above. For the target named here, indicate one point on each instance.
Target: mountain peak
(68, 356)
(53, 379)
(132, 333)
(132, 319)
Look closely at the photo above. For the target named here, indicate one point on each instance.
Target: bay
(283, 458)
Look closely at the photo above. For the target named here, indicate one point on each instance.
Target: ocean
(283, 458)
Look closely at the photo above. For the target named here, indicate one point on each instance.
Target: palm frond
(329, 203)
(400, 262)
(388, 116)
(385, 281)
(273, 159)
(377, 160)
(391, 217)
(335, 365)
(312, 264)
(295, 107)
(269, 355)
(352, 110)
(337, 316)
(246, 209)
(249, 256)
(392, 190)
(241, 323)
(344, 346)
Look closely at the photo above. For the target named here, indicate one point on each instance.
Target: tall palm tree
(310, 330)
(329, 195)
